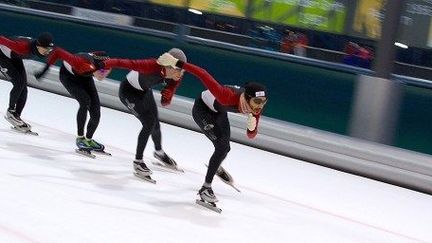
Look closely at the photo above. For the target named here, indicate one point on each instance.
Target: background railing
(267, 23)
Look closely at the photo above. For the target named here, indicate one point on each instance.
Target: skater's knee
(95, 116)
(95, 111)
(84, 102)
(19, 87)
(145, 132)
(223, 149)
(24, 90)
(227, 149)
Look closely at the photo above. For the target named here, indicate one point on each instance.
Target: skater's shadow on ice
(34, 151)
(109, 180)
(188, 211)
(179, 210)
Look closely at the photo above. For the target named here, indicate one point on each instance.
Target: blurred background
(308, 53)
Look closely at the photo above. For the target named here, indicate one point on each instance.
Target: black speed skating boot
(207, 195)
(224, 175)
(165, 159)
(141, 168)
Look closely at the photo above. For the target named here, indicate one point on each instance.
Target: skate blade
(171, 168)
(231, 184)
(145, 178)
(86, 153)
(102, 152)
(211, 206)
(29, 132)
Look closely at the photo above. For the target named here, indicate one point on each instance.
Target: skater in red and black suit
(12, 53)
(210, 113)
(76, 75)
(137, 95)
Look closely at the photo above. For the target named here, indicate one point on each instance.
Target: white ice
(51, 194)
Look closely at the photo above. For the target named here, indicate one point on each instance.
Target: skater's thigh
(143, 110)
(90, 88)
(207, 122)
(12, 71)
(77, 91)
(135, 104)
(222, 128)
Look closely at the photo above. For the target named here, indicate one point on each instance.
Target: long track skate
(85, 152)
(22, 128)
(167, 167)
(158, 162)
(210, 205)
(24, 131)
(102, 152)
(230, 183)
(145, 178)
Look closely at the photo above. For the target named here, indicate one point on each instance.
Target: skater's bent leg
(142, 140)
(157, 136)
(148, 122)
(221, 150)
(19, 82)
(21, 101)
(151, 111)
(93, 123)
(74, 85)
(81, 118)
(216, 127)
(94, 106)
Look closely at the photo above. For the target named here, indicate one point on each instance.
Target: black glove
(40, 74)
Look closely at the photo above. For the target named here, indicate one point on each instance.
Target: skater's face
(44, 51)
(101, 74)
(173, 73)
(257, 104)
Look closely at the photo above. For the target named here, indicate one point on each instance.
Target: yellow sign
(177, 3)
(368, 17)
(226, 7)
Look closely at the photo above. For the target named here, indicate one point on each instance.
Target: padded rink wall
(385, 163)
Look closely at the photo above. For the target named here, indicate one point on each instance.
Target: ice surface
(51, 194)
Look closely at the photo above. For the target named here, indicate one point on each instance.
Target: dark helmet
(45, 40)
(253, 89)
(98, 59)
(178, 53)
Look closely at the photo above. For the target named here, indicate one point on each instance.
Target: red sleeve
(19, 46)
(141, 65)
(78, 63)
(223, 95)
(62, 54)
(168, 91)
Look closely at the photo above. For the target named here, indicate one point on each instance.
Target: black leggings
(17, 75)
(215, 125)
(83, 89)
(143, 105)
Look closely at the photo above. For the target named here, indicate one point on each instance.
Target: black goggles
(259, 100)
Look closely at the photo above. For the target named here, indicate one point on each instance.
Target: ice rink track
(51, 194)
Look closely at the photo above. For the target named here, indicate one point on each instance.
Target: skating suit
(136, 94)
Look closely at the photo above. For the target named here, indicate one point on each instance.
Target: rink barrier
(377, 161)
